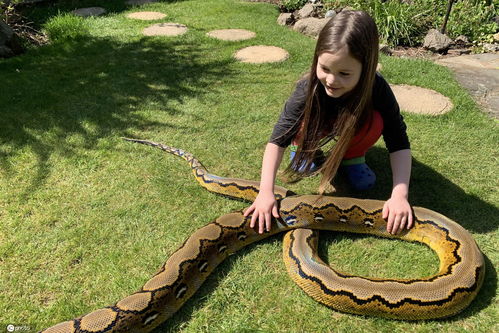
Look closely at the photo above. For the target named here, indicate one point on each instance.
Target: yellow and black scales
(444, 294)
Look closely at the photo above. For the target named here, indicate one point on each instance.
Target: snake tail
(236, 188)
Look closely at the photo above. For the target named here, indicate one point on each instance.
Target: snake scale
(444, 294)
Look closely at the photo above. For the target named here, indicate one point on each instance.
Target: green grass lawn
(87, 218)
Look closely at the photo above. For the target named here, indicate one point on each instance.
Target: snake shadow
(429, 189)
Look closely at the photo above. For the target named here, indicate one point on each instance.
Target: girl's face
(338, 72)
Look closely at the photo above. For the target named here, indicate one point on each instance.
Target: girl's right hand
(264, 205)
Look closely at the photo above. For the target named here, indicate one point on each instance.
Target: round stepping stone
(90, 11)
(139, 2)
(261, 54)
(232, 34)
(165, 29)
(421, 100)
(146, 16)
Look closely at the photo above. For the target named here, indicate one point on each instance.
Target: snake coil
(444, 294)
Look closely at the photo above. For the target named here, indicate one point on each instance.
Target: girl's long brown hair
(357, 31)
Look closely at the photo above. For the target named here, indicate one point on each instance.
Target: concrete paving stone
(261, 54)
(421, 100)
(90, 11)
(165, 29)
(231, 34)
(146, 16)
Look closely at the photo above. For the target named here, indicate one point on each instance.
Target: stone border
(259, 54)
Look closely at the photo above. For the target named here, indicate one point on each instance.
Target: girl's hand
(398, 214)
(264, 205)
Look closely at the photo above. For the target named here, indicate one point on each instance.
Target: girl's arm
(397, 210)
(265, 203)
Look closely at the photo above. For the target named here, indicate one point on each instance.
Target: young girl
(342, 98)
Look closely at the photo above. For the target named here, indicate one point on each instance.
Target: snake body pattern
(444, 294)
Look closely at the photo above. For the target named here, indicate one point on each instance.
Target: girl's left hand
(398, 213)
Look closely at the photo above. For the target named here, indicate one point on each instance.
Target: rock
(487, 47)
(310, 26)
(306, 11)
(330, 14)
(286, 19)
(458, 52)
(462, 40)
(5, 52)
(90, 11)
(436, 41)
(6, 33)
(9, 44)
(385, 49)
(496, 37)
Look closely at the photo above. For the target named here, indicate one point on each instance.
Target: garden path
(479, 74)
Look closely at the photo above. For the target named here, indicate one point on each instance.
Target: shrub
(396, 21)
(474, 19)
(402, 23)
(65, 27)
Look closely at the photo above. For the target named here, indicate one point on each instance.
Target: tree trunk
(444, 25)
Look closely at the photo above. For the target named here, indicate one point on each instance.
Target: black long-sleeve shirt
(394, 127)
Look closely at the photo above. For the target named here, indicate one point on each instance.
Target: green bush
(397, 22)
(406, 24)
(65, 27)
(292, 5)
(474, 20)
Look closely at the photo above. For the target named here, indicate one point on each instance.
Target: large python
(444, 294)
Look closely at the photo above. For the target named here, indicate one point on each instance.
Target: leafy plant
(395, 20)
(402, 23)
(292, 5)
(474, 19)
